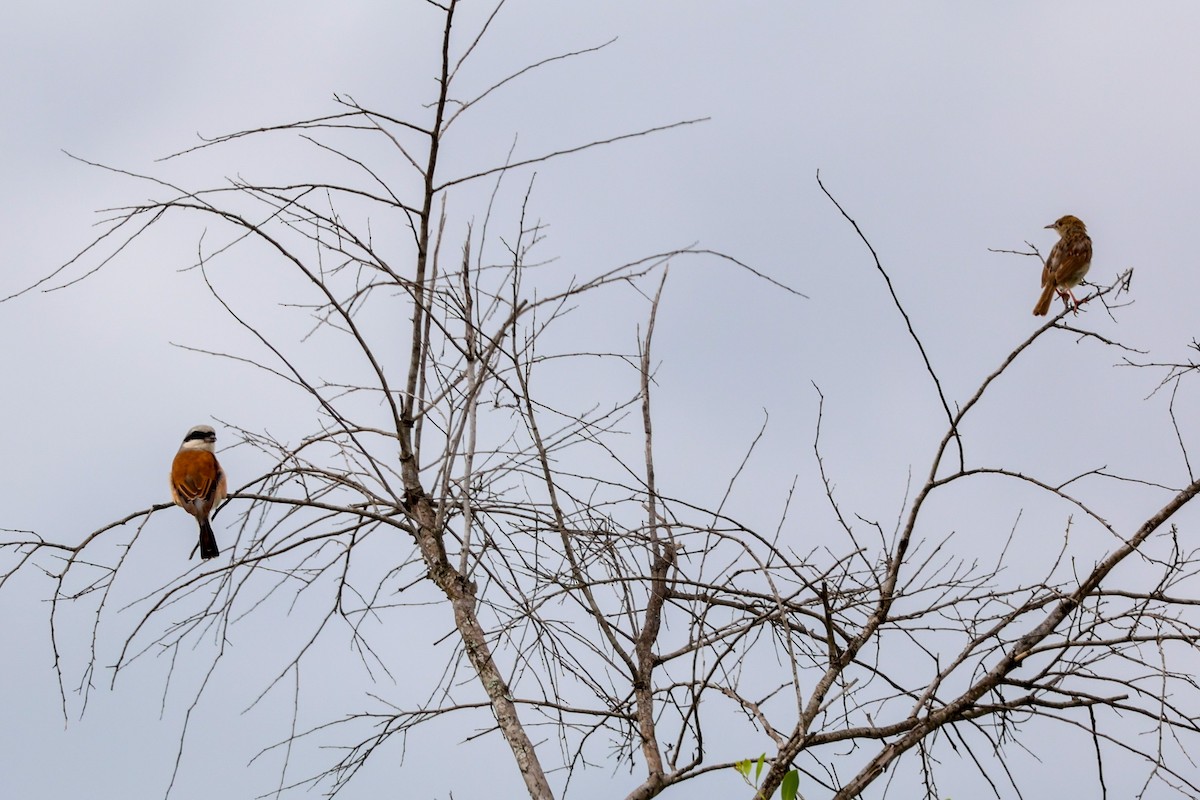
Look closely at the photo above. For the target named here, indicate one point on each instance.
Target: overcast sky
(944, 129)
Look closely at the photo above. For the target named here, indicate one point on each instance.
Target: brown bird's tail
(208, 541)
(1043, 303)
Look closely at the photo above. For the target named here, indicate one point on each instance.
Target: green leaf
(790, 785)
(758, 772)
(743, 767)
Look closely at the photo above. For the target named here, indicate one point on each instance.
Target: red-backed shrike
(198, 483)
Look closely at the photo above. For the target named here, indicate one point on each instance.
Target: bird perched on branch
(1068, 263)
(198, 483)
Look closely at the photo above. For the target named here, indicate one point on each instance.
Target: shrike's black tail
(208, 541)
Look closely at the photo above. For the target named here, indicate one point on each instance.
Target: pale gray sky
(944, 129)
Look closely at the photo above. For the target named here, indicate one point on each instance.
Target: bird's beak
(1051, 225)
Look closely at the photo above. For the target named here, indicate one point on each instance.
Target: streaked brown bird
(1068, 263)
(198, 483)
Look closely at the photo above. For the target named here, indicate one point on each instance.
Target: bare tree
(446, 468)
